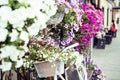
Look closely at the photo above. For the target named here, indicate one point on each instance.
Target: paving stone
(108, 59)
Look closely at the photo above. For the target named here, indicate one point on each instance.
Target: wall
(107, 13)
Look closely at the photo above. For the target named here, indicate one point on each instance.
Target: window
(107, 16)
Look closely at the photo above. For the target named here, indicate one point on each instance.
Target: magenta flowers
(92, 21)
(80, 23)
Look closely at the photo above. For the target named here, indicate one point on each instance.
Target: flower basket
(45, 69)
(60, 66)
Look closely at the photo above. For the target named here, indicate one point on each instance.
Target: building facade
(116, 12)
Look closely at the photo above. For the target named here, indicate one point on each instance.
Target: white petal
(33, 29)
(24, 36)
(6, 66)
(2, 2)
(3, 24)
(19, 63)
(13, 57)
(14, 35)
(3, 34)
(21, 54)
(8, 51)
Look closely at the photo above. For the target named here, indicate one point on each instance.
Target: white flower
(19, 63)
(2, 2)
(25, 47)
(4, 15)
(17, 55)
(3, 34)
(21, 54)
(22, 1)
(34, 29)
(24, 36)
(6, 66)
(43, 18)
(36, 4)
(8, 51)
(17, 17)
(3, 23)
(14, 57)
(49, 7)
(19, 25)
(14, 35)
(30, 12)
(5, 52)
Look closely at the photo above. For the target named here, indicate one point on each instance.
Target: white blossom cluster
(14, 23)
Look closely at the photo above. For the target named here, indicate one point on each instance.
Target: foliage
(43, 49)
(20, 20)
(80, 23)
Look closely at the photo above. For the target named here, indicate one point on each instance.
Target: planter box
(108, 39)
(45, 69)
(101, 43)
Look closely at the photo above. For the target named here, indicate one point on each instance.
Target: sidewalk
(108, 59)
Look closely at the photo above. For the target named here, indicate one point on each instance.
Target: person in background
(113, 30)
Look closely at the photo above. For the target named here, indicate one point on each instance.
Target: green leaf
(72, 18)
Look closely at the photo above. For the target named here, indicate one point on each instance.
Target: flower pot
(45, 69)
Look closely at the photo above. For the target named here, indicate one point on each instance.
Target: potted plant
(44, 50)
(94, 72)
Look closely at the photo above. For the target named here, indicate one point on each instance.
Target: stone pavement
(108, 59)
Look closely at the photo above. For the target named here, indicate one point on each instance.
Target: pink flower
(66, 26)
(63, 43)
(76, 27)
(79, 17)
(66, 10)
(68, 5)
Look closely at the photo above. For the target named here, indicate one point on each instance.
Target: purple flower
(32, 40)
(76, 27)
(52, 43)
(77, 48)
(70, 34)
(63, 43)
(94, 78)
